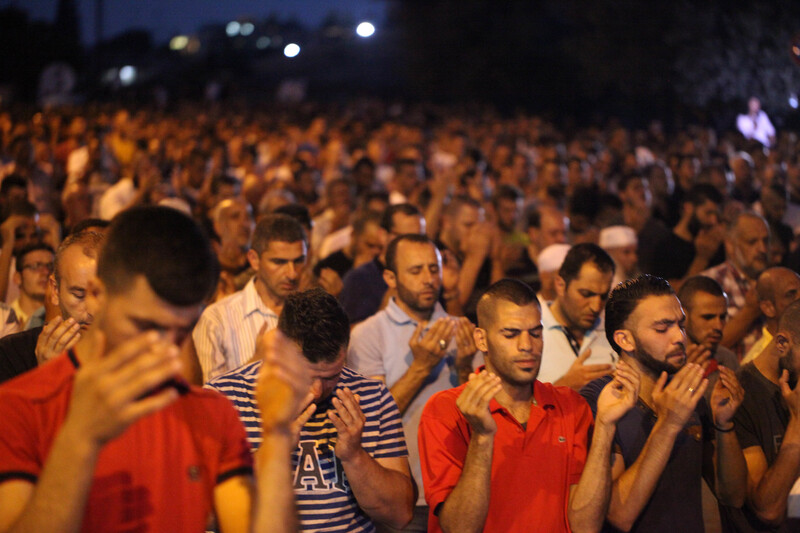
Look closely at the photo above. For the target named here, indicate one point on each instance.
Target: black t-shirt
(674, 256)
(676, 503)
(653, 232)
(761, 421)
(337, 261)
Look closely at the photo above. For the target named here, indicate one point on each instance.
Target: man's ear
(390, 278)
(624, 339)
(783, 343)
(17, 278)
(479, 335)
(54, 299)
(561, 286)
(768, 308)
(253, 259)
(96, 295)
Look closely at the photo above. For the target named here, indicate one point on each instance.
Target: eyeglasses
(39, 266)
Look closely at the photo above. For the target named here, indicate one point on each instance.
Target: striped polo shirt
(324, 499)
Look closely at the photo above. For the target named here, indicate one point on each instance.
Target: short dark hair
(363, 220)
(391, 250)
(626, 296)
(89, 241)
(404, 162)
(11, 181)
(277, 227)
(219, 181)
(364, 162)
(387, 220)
(165, 246)
(87, 223)
(506, 191)
(31, 248)
(703, 192)
(697, 284)
(628, 178)
(22, 208)
(299, 212)
(510, 290)
(581, 254)
(455, 205)
(315, 320)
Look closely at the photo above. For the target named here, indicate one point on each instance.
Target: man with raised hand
(575, 347)
(768, 426)
(75, 264)
(663, 447)
(505, 452)
(107, 437)
(349, 455)
(225, 336)
(409, 344)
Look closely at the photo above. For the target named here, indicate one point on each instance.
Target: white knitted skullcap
(617, 237)
(550, 258)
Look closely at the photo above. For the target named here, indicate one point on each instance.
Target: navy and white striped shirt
(324, 499)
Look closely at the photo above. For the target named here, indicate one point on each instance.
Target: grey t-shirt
(761, 421)
(676, 503)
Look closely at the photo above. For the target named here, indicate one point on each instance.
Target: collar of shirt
(400, 317)
(543, 396)
(253, 302)
(737, 275)
(549, 320)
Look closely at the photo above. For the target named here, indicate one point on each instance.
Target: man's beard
(694, 225)
(653, 364)
(784, 363)
(410, 299)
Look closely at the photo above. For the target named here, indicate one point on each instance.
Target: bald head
(777, 288)
(789, 323)
(747, 243)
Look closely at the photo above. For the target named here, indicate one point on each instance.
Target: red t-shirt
(159, 475)
(532, 468)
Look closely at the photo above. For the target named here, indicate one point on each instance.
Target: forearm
(406, 388)
(589, 501)
(469, 275)
(731, 470)
(59, 500)
(275, 506)
(770, 497)
(433, 213)
(498, 272)
(6, 254)
(467, 506)
(633, 489)
(452, 304)
(386, 495)
(698, 264)
(738, 326)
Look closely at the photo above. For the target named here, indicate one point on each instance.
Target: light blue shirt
(379, 347)
(557, 354)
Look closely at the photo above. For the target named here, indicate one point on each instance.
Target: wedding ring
(691, 390)
(442, 344)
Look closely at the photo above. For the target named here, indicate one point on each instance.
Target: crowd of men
(372, 318)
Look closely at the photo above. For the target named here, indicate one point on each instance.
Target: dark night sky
(166, 18)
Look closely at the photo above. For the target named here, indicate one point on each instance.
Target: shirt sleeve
(744, 423)
(392, 440)
(207, 337)
(443, 443)
(584, 422)
(19, 451)
(235, 457)
(365, 355)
